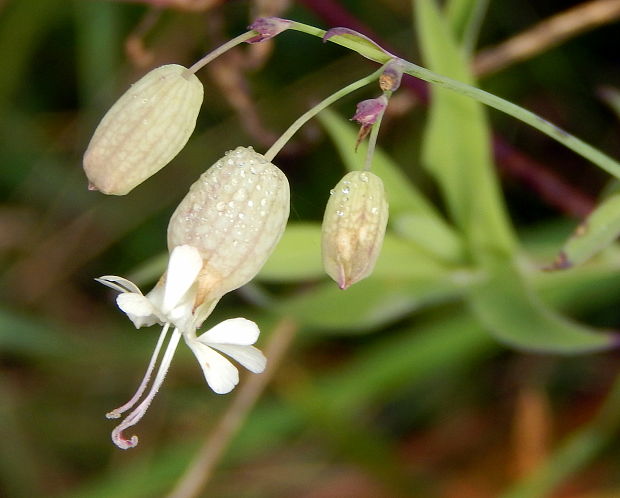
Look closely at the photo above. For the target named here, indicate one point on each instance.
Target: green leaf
(457, 144)
(366, 305)
(514, 315)
(465, 19)
(297, 256)
(599, 230)
(410, 212)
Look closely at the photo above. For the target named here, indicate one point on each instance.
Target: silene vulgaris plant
(227, 225)
(233, 216)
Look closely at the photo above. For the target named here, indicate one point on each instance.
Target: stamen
(137, 414)
(116, 413)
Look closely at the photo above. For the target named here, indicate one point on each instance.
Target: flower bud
(234, 215)
(268, 27)
(353, 227)
(144, 130)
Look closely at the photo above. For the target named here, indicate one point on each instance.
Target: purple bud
(368, 111)
(268, 27)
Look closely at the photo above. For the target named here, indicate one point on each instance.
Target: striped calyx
(354, 227)
(234, 215)
(144, 130)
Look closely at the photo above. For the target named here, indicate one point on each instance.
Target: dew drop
(339, 213)
(346, 190)
(220, 206)
(375, 210)
(364, 177)
(250, 203)
(239, 195)
(263, 202)
(331, 192)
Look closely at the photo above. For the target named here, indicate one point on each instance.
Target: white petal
(134, 304)
(221, 374)
(183, 267)
(248, 356)
(233, 331)
(118, 283)
(138, 308)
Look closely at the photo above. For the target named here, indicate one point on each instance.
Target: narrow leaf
(514, 315)
(367, 305)
(597, 232)
(457, 147)
(465, 19)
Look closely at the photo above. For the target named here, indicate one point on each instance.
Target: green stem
(372, 140)
(367, 50)
(304, 118)
(221, 49)
(574, 453)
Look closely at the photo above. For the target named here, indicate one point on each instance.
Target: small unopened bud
(366, 114)
(268, 27)
(353, 227)
(368, 111)
(144, 130)
(389, 81)
(234, 215)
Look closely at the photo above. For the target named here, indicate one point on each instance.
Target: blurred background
(392, 388)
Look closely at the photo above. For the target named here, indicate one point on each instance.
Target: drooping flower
(144, 130)
(354, 227)
(219, 238)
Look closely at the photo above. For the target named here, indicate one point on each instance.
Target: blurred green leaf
(573, 453)
(22, 335)
(22, 26)
(457, 144)
(297, 256)
(366, 305)
(423, 225)
(514, 315)
(600, 229)
(465, 19)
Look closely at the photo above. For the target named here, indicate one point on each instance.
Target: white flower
(172, 303)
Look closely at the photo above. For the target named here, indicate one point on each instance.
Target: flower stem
(221, 49)
(304, 118)
(372, 139)
(577, 145)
